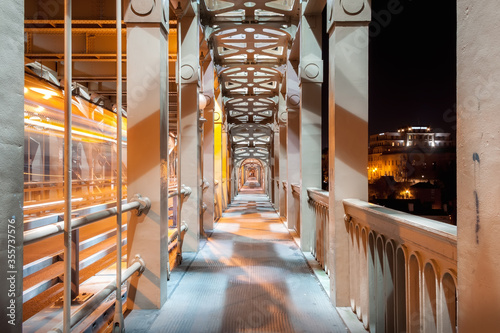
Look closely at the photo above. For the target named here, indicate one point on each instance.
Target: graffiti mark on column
(477, 216)
(475, 158)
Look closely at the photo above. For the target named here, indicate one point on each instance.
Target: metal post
(174, 209)
(75, 263)
(68, 61)
(118, 319)
(179, 123)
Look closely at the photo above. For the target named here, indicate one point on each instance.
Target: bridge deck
(249, 276)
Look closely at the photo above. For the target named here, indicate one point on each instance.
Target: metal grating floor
(249, 276)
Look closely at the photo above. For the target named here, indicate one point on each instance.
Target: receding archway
(252, 175)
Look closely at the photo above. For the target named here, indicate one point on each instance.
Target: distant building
(412, 154)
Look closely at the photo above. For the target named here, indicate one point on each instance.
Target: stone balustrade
(403, 270)
(319, 200)
(294, 210)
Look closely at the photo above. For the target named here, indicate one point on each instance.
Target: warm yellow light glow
(51, 203)
(35, 122)
(47, 93)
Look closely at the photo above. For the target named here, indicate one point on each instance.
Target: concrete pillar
(218, 157)
(275, 179)
(234, 181)
(293, 140)
(230, 174)
(282, 120)
(348, 136)
(208, 144)
(189, 167)
(225, 177)
(147, 106)
(234, 166)
(311, 66)
(11, 164)
(478, 186)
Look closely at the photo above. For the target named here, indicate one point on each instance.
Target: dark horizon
(412, 59)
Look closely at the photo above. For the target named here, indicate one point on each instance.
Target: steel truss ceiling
(250, 40)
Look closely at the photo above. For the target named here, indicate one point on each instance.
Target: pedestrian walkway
(249, 276)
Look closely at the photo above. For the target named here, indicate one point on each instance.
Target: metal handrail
(173, 237)
(37, 234)
(97, 299)
(185, 192)
(55, 218)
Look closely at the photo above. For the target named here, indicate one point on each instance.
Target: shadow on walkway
(249, 276)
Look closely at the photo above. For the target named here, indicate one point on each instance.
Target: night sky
(413, 65)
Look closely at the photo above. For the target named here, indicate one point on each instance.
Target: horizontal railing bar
(99, 238)
(46, 284)
(51, 219)
(41, 263)
(186, 191)
(99, 255)
(38, 234)
(173, 237)
(85, 310)
(44, 262)
(74, 181)
(40, 288)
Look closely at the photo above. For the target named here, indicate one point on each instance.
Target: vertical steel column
(208, 141)
(348, 114)
(293, 141)
(68, 61)
(118, 319)
(179, 126)
(147, 132)
(478, 185)
(189, 79)
(75, 263)
(311, 79)
(11, 165)
(275, 179)
(282, 156)
(218, 157)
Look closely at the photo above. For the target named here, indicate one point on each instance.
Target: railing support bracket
(141, 261)
(145, 204)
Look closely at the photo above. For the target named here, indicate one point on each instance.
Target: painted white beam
(11, 164)
(478, 185)
(189, 134)
(348, 114)
(147, 151)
